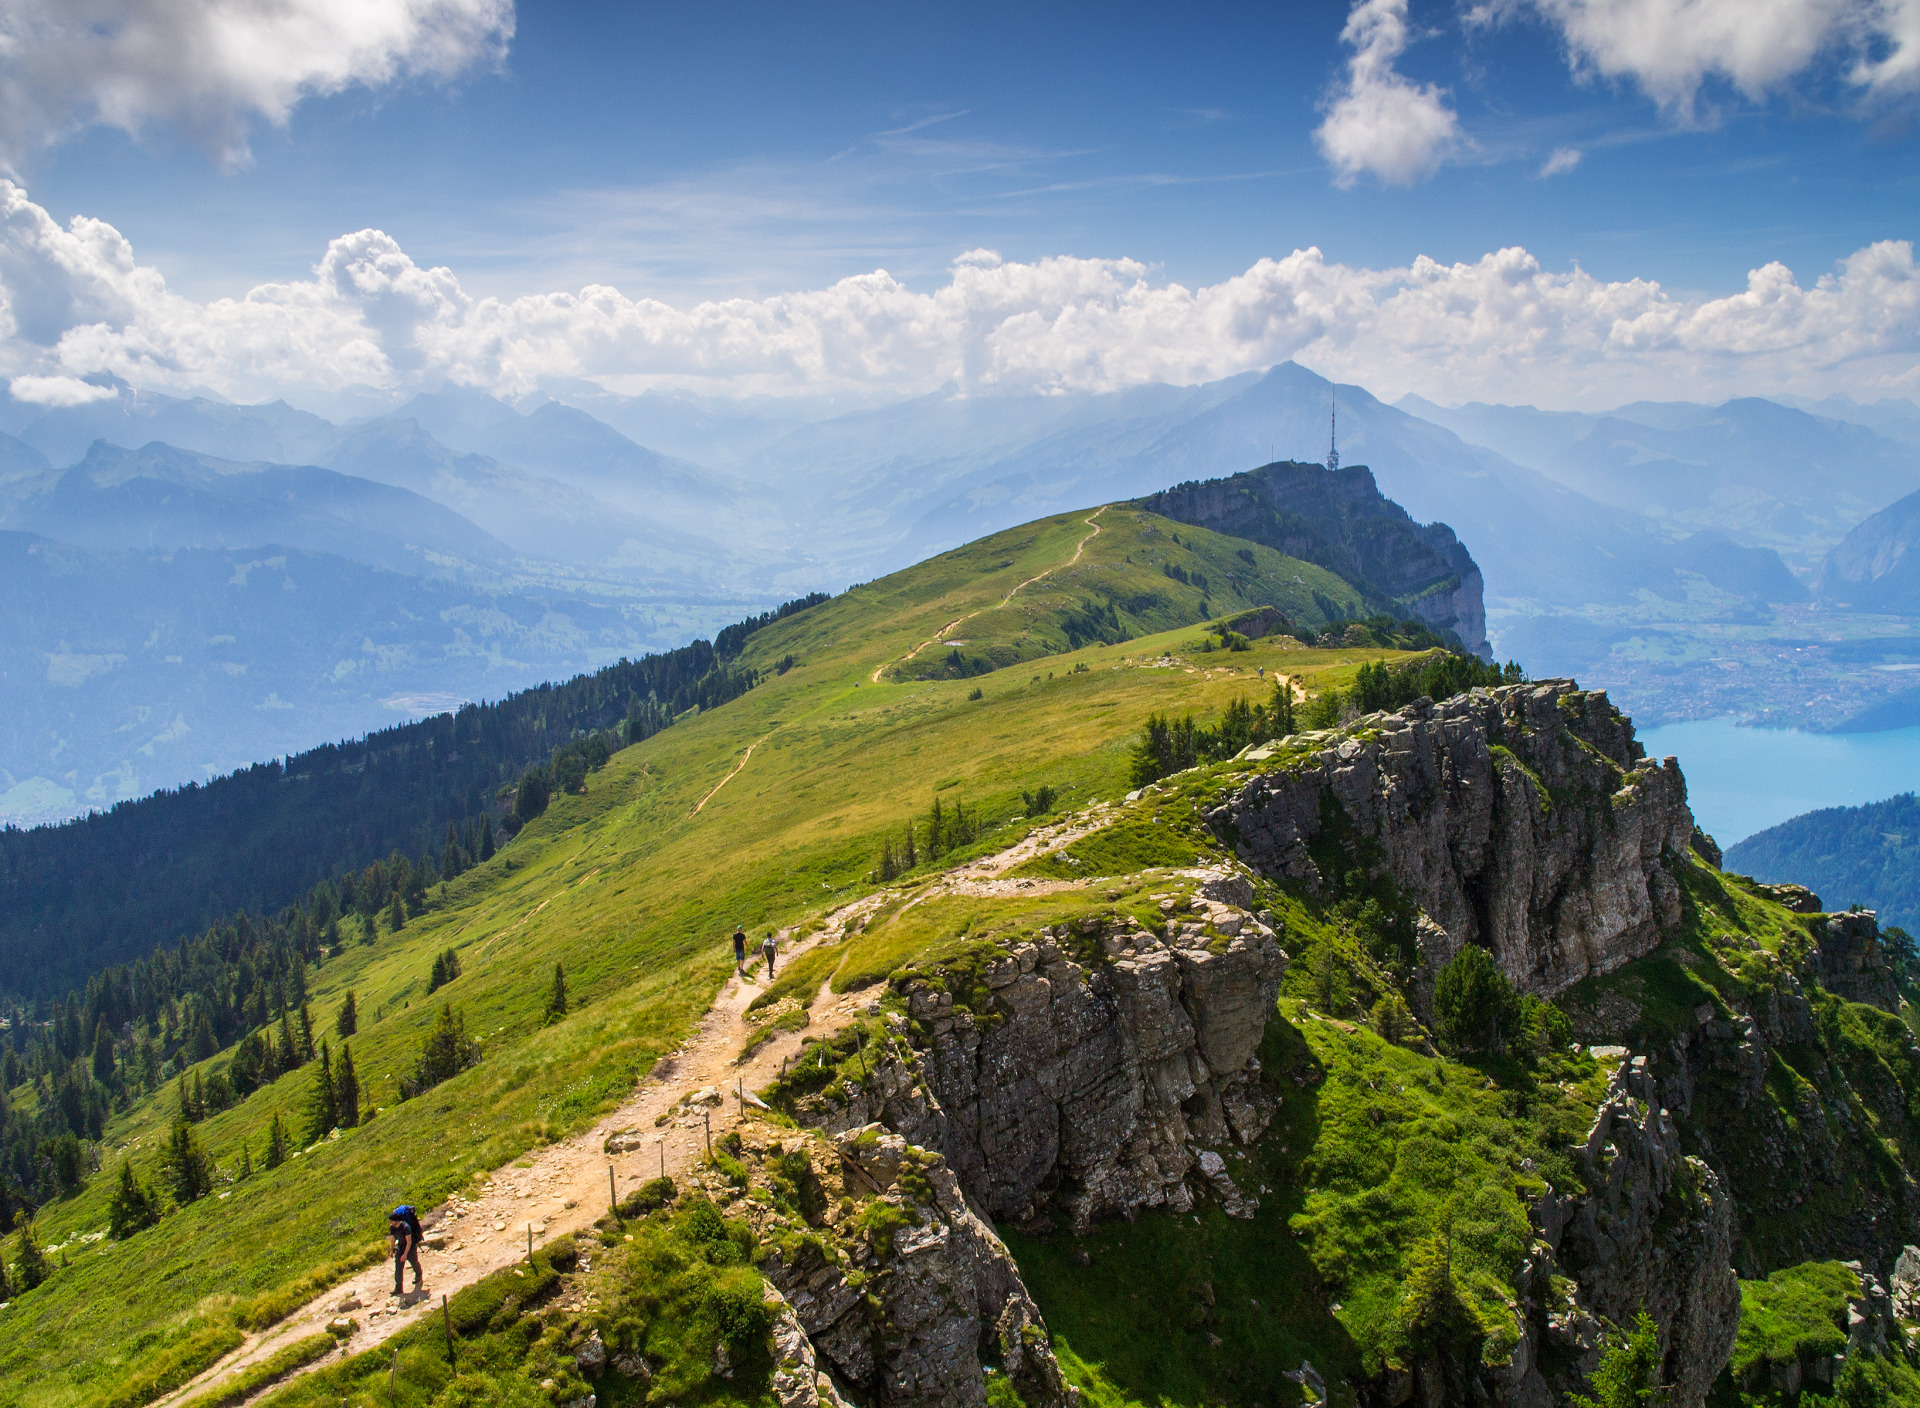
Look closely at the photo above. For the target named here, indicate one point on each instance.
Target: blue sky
(688, 153)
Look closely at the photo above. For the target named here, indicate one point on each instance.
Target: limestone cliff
(1526, 819)
(1340, 520)
(1097, 1066)
(1653, 1232)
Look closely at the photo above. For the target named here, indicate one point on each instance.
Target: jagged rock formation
(1114, 1059)
(1526, 819)
(899, 1302)
(1340, 520)
(1653, 1232)
(1851, 962)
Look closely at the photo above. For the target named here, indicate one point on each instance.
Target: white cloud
(75, 301)
(210, 68)
(58, 391)
(1670, 48)
(1383, 124)
(1563, 160)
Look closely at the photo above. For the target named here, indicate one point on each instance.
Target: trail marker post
(447, 1316)
(613, 1194)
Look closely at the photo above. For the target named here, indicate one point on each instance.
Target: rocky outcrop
(907, 1297)
(1096, 1066)
(1851, 962)
(1339, 519)
(1526, 819)
(1653, 1232)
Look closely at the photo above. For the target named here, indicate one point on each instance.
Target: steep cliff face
(1654, 1233)
(1102, 1066)
(1526, 819)
(883, 1280)
(1340, 520)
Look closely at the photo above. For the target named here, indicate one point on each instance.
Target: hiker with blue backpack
(403, 1225)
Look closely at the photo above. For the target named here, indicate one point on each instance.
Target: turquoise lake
(1743, 780)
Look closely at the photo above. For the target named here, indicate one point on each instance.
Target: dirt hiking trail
(958, 621)
(565, 1188)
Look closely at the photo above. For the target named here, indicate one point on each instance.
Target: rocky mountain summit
(1339, 519)
(1525, 819)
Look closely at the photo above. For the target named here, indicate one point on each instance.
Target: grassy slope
(634, 892)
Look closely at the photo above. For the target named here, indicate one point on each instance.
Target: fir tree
(346, 1091)
(188, 1169)
(486, 839)
(204, 1043)
(276, 1143)
(188, 1110)
(348, 1022)
(289, 1052)
(30, 1263)
(438, 977)
(909, 858)
(396, 914)
(102, 1052)
(246, 1161)
(306, 1034)
(132, 1207)
(323, 1109)
(367, 932)
(199, 1098)
(557, 995)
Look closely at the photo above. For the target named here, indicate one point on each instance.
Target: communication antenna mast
(1333, 431)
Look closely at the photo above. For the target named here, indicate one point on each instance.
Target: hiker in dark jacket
(403, 1226)
(739, 949)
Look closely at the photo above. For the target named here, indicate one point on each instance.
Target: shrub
(446, 1052)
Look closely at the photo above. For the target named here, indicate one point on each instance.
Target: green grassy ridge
(634, 894)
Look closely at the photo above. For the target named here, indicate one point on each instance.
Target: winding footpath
(959, 621)
(566, 1188)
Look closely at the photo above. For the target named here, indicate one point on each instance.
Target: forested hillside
(1866, 855)
(113, 886)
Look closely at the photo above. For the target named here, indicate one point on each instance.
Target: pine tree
(348, 1022)
(102, 1052)
(30, 1263)
(346, 1091)
(438, 977)
(396, 914)
(486, 839)
(246, 1161)
(306, 1034)
(367, 932)
(323, 1109)
(187, 1167)
(289, 1053)
(199, 1098)
(909, 858)
(276, 1143)
(188, 1110)
(557, 995)
(204, 1043)
(132, 1206)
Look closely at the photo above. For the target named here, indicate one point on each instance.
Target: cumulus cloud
(211, 68)
(1670, 48)
(75, 301)
(58, 391)
(1384, 124)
